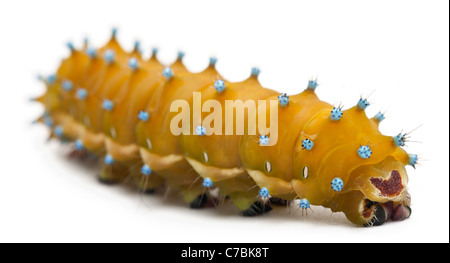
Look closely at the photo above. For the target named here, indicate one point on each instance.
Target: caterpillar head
(383, 186)
(352, 167)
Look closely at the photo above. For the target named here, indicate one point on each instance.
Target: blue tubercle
(304, 204)
(58, 130)
(362, 104)
(399, 139)
(379, 117)
(180, 55)
(133, 63)
(337, 184)
(109, 56)
(336, 114)
(263, 139)
(81, 94)
(207, 182)
(255, 72)
(109, 160)
(413, 158)
(70, 46)
(137, 46)
(264, 192)
(312, 84)
(212, 61)
(51, 79)
(283, 99)
(154, 51)
(146, 170)
(219, 85)
(364, 152)
(114, 32)
(48, 121)
(167, 73)
(143, 116)
(108, 105)
(67, 85)
(79, 145)
(91, 52)
(307, 144)
(200, 130)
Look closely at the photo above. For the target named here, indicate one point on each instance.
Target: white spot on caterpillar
(268, 166)
(305, 172)
(113, 132)
(149, 143)
(205, 157)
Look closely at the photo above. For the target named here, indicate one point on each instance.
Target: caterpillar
(135, 115)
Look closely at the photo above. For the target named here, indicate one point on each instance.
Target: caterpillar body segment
(161, 126)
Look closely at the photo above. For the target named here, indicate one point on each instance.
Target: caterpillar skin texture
(116, 105)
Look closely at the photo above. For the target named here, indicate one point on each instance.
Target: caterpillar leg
(146, 180)
(112, 173)
(128, 155)
(279, 201)
(204, 201)
(149, 184)
(199, 202)
(113, 170)
(183, 178)
(177, 173)
(191, 193)
(256, 209)
(244, 194)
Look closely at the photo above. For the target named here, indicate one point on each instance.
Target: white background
(395, 51)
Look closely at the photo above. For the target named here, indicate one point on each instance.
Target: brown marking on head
(390, 187)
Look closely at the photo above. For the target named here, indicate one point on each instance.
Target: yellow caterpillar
(119, 106)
